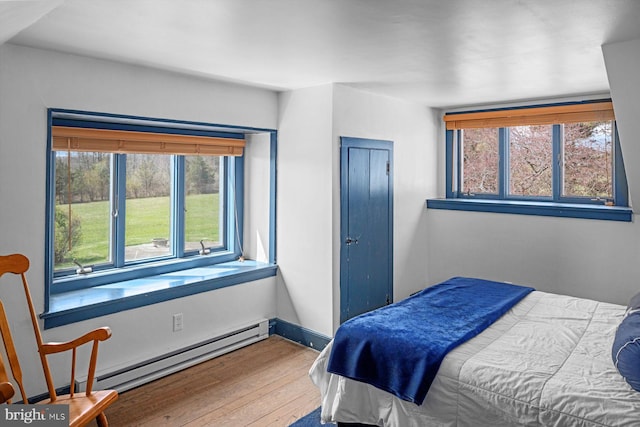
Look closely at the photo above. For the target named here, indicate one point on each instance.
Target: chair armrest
(6, 392)
(99, 334)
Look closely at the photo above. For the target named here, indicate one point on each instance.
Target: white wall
(623, 62)
(257, 169)
(413, 128)
(585, 258)
(33, 80)
(304, 225)
(311, 124)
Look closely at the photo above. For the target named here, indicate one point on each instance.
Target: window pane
(530, 161)
(480, 160)
(148, 213)
(202, 202)
(82, 209)
(587, 160)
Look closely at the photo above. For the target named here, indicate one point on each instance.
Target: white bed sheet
(546, 362)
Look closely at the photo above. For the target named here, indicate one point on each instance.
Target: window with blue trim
(133, 198)
(549, 160)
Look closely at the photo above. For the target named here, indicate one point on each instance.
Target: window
(130, 199)
(587, 154)
(530, 154)
(560, 157)
(480, 161)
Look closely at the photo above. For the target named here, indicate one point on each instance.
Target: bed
(548, 360)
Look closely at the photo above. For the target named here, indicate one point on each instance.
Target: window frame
(68, 280)
(556, 205)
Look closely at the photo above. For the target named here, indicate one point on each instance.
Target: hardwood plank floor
(264, 384)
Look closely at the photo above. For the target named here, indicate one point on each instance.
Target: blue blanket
(399, 348)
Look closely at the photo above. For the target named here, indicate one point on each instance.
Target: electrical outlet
(177, 322)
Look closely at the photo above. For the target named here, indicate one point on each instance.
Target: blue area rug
(312, 419)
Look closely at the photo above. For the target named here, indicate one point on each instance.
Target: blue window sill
(74, 306)
(566, 210)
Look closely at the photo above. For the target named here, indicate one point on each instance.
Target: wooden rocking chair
(84, 406)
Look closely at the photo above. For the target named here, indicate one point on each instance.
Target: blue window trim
(62, 304)
(556, 205)
(273, 141)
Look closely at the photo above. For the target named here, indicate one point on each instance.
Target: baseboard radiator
(160, 366)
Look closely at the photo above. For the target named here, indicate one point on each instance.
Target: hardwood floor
(264, 384)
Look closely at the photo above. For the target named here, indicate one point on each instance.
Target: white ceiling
(442, 53)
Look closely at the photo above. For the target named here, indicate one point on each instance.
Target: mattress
(546, 362)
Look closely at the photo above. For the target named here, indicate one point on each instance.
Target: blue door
(366, 230)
